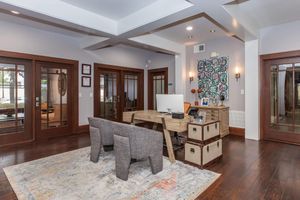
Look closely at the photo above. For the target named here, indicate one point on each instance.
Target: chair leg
(123, 157)
(95, 144)
(156, 163)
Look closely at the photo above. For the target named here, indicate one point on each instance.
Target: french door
(107, 95)
(281, 102)
(117, 89)
(53, 100)
(15, 101)
(157, 84)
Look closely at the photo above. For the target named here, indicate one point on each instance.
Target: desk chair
(187, 106)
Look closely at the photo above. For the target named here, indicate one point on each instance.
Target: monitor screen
(170, 102)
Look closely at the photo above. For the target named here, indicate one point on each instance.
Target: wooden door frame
(289, 138)
(165, 71)
(76, 129)
(122, 71)
(58, 131)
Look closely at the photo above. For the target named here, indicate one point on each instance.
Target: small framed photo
(205, 102)
(86, 69)
(86, 81)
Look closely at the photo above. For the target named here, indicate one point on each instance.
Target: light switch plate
(242, 92)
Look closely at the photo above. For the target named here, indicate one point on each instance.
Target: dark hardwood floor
(250, 169)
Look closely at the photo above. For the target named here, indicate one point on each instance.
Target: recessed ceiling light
(189, 28)
(15, 12)
(212, 31)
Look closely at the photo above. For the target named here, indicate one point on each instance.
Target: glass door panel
(53, 100)
(109, 96)
(12, 98)
(157, 84)
(15, 101)
(285, 97)
(130, 92)
(159, 87)
(274, 97)
(53, 97)
(297, 98)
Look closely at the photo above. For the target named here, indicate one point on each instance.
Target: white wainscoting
(236, 119)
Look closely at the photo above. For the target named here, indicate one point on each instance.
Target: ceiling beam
(59, 12)
(236, 2)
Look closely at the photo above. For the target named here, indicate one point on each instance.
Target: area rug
(71, 176)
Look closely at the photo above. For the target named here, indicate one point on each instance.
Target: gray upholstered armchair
(101, 134)
(132, 142)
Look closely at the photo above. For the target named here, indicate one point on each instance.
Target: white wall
(180, 57)
(158, 60)
(25, 39)
(234, 49)
(252, 92)
(281, 38)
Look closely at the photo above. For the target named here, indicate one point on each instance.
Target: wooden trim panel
(237, 131)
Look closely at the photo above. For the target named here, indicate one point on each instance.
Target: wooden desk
(169, 124)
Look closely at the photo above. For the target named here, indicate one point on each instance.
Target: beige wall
(226, 46)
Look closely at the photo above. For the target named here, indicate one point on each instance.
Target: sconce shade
(191, 75)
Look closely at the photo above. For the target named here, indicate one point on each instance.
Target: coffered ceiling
(203, 30)
(153, 23)
(257, 14)
(114, 9)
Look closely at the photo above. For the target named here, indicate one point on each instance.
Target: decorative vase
(222, 98)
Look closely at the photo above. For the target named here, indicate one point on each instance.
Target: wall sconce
(237, 74)
(191, 75)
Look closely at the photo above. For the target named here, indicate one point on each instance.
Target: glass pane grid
(12, 95)
(285, 97)
(131, 92)
(54, 97)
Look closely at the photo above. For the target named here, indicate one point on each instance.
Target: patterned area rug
(71, 176)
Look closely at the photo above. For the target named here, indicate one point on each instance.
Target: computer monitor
(172, 102)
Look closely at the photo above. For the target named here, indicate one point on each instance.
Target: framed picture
(86, 81)
(205, 102)
(86, 69)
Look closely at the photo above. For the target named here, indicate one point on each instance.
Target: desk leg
(169, 146)
(167, 135)
(154, 127)
(132, 120)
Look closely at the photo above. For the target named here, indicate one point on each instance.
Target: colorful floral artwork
(213, 77)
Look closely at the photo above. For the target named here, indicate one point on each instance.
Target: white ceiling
(113, 9)
(120, 21)
(263, 13)
(41, 26)
(201, 32)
